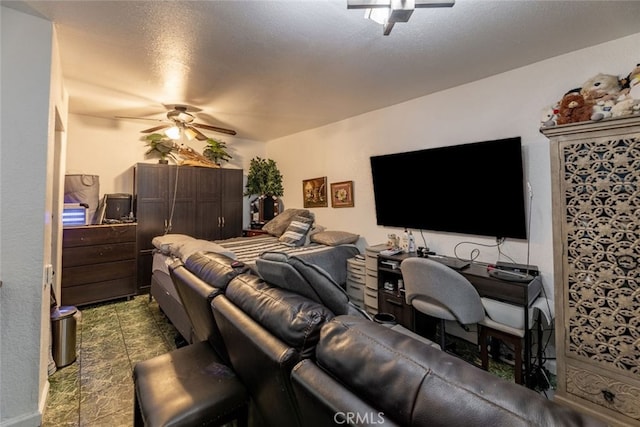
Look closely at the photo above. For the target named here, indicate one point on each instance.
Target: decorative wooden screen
(601, 195)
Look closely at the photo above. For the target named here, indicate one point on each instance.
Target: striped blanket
(332, 258)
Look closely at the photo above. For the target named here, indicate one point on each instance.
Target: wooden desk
(516, 293)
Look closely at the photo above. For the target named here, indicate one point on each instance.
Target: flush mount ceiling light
(388, 12)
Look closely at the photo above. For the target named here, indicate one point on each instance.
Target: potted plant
(161, 146)
(216, 151)
(265, 181)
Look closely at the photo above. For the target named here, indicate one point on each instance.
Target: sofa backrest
(309, 280)
(206, 276)
(267, 330)
(387, 376)
(215, 269)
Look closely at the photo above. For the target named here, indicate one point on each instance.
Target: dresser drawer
(355, 290)
(80, 275)
(98, 235)
(99, 291)
(356, 266)
(371, 298)
(355, 277)
(371, 281)
(83, 255)
(615, 395)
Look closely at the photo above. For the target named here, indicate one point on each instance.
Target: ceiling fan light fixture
(173, 132)
(379, 15)
(389, 12)
(190, 133)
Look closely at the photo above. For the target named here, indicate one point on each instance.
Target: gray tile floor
(97, 389)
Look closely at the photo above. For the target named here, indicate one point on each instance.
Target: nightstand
(252, 232)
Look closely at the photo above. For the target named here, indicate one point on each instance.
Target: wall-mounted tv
(475, 188)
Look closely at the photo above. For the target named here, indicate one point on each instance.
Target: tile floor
(97, 389)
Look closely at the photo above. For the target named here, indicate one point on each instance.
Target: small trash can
(63, 330)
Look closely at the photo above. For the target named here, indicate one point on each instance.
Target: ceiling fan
(180, 120)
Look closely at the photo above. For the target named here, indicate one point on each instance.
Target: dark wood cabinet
(98, 263)
(205, 203)
(393, 302)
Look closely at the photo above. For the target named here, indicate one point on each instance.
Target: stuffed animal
(549, 117)
(625, 107)
(601, 87)
(574, 108)
(628, 102)
(602, 110)
(634, 83)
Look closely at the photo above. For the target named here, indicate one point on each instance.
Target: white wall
(501, 106)
(25, 140)
(110, 148)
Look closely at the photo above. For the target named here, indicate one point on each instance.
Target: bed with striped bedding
(331, 258)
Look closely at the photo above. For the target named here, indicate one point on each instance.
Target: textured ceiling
(273, 68)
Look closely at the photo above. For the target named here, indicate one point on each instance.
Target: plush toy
(634, 83)
(601, 87)
(602, 110)
(574, 108)
(628, 102)
(625, 107)
(549, 117)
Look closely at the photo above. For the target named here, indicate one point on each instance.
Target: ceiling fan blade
(199, 135)
(213, 128)
(155, 128)
(139, 118)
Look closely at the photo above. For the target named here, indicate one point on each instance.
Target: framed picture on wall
(314, 192)
(342, 194)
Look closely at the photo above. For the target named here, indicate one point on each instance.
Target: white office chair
(441, 292)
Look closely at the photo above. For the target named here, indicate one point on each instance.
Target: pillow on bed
(315, 228)
(167, 243)
(334, 238)
(279, 224)
(296, 232)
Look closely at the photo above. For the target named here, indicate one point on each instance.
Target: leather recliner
(193, 385)
(366, 374)
(266, 331)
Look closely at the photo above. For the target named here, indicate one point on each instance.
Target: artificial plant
(216, 151)
(160, 145)
(264, 178)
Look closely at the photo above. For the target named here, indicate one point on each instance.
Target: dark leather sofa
(304, 364)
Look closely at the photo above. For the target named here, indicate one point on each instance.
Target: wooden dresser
(596, 227)
(98, 263)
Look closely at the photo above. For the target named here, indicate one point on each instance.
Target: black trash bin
(63, 329)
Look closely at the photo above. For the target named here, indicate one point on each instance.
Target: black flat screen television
(475, 188)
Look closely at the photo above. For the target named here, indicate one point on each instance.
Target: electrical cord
(168, 224)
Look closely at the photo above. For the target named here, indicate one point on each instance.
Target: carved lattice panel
(601, 196)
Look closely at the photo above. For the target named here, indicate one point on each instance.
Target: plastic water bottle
(404, 242)
(411, 243)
